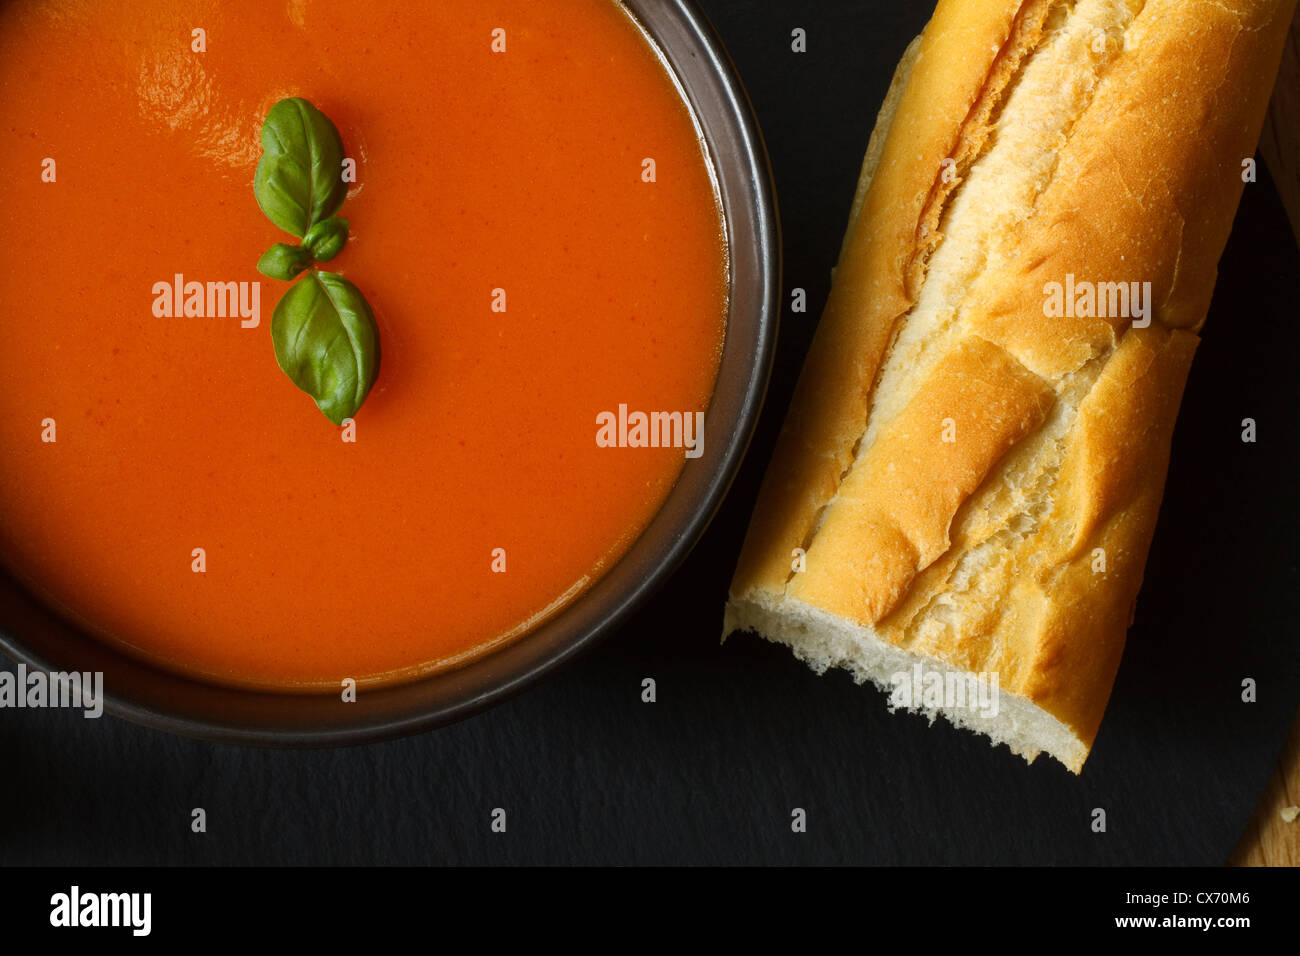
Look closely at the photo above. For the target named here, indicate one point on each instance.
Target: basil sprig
(325, 336)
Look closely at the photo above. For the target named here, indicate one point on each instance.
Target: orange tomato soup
(128, 441)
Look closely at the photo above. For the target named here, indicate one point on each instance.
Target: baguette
(967, 481)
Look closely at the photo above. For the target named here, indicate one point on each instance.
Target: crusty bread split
(964, 483)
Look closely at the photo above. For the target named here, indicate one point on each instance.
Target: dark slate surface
(742, 734)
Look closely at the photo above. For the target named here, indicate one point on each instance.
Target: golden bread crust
(972, 478)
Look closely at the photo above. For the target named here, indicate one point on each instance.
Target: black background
(742, 733)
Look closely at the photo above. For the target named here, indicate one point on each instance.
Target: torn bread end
(909, 680)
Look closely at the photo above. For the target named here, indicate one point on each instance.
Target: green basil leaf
(326, 340)
(283, 261)
(325, 240)
(299, 179)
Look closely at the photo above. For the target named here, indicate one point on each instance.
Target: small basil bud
(325, 240)
(283, 261)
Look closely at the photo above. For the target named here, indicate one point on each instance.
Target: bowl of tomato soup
(561, 230)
